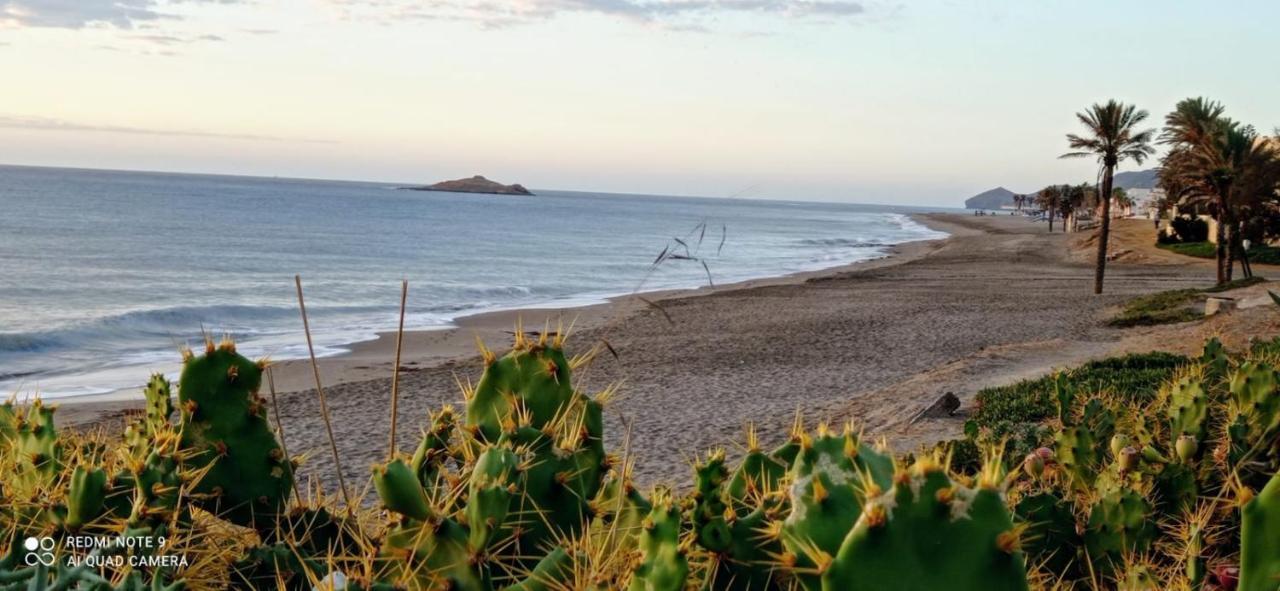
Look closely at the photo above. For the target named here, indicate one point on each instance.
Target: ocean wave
(178, 321)
(840, 242)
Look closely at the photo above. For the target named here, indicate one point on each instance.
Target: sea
(104, 275)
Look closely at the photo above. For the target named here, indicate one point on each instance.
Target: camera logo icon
(39, 551)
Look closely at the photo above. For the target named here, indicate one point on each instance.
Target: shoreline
(998, 301)
(445, 344)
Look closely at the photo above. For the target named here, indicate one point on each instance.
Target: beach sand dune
(1001, 300)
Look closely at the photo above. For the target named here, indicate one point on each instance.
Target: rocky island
(475, 184)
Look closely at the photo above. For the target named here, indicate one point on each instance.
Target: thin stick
(284, 446)
(324, 405)
(395, 371)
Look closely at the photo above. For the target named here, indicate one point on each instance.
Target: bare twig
(324, 405)
(275, 406)
(395, 371)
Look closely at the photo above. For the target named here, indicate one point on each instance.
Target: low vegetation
(1145, 471)
(1263, 254)
(1172, 306)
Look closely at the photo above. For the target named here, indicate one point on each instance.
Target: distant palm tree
(1112, 139)
(1048, 199)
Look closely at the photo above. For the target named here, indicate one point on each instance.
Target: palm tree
(1218, 162)
(1112, 139)
(1048, 200)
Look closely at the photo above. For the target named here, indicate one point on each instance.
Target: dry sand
(1001, 300)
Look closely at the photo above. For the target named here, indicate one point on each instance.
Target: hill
(993, 199)
(1138, 179)
(475, 184)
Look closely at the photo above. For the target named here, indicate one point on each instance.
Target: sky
(910, 102)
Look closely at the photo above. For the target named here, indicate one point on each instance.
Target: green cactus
(37, 452)
(553, 572)
(491, 487)
(1259, 532)
(528, 392)
(1051, 538)
(1188, 407)
(1215, 359)
(276, 566)
(930, 532)
(829, 482)
(86, 497)
(1119, 524)
(1077, 451)
(664, 565)
(731, 528)
(224, 424)
(159, 396)
(433, 452)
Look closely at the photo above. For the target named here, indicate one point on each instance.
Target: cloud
(671, 14)
(78, 14)
(52, 124)
(170, 40)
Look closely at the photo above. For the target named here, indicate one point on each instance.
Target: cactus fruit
(224, 423)
(663, 564)
(930, 532)
(829, 482)
(1260, 540)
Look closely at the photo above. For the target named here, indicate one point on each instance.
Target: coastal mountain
(475, 184)
(1138, 179)
(993, 199)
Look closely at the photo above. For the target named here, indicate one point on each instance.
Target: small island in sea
(475, 184)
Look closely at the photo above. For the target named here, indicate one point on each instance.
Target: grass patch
(1166, 307)
(1171, 307)
(1262, 254)
(1236, 284)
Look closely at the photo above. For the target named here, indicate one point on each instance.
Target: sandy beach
(998, 301)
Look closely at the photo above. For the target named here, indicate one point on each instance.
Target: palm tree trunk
(1222, 236)
(1051, 220)
(1104, 230)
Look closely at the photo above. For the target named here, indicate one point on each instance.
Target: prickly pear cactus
(829, 482)
(85, 498)
(1188, 407)
(1120, 524)
(664, 565)
(159, 396)
(735, 531)
(1260, 540)
(559, 430)
(224, 424)
(1051, 537)
(37, 453)
(1254, 421)
(928, 531)
(430, 460)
